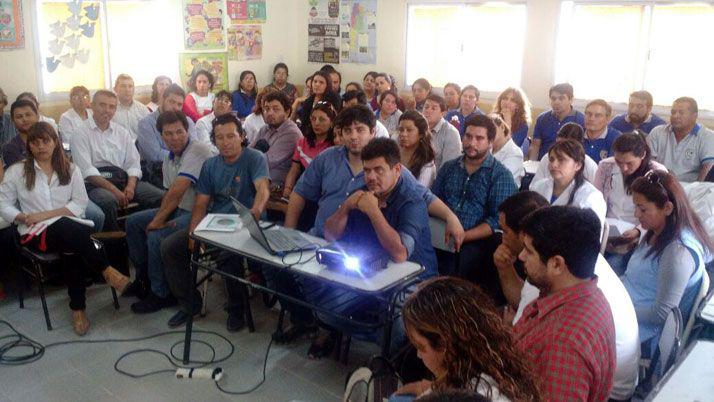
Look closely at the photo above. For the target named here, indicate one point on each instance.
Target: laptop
(276, 242)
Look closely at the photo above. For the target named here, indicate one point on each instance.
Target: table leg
(191, 298)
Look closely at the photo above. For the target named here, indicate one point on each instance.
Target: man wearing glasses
(73, 118)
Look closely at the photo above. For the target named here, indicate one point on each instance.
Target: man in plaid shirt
(568, 332)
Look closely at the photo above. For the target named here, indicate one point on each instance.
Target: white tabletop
(242, 243)
(691, 379)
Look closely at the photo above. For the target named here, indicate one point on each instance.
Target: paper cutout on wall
(215, 63)
(75, 7)
(92, 12)
(203, 24)
(52, 64)
(69, 32)
(245, 42)
(88, 29)
(12, 32)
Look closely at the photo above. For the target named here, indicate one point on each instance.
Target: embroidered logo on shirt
(689, 154)
(603, 153)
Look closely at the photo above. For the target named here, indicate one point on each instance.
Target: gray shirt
(683, 159)
(187, 165)
(446, 141)
(282, 141)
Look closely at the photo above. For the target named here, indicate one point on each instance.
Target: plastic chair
(703, 289)
(668, 346)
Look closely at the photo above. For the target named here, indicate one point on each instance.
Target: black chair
(38, 262)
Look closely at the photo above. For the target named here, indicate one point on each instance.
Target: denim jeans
(96, 215)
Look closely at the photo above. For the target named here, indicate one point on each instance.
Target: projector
(360, 261)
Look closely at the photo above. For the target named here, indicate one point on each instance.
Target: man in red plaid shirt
(568, 332)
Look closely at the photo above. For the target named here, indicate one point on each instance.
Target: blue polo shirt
(547, 127)
(457, 112)
(328, 180)
(520, 137)
(221, 180)
(620, 123)
(601, 148)
(474, 198)
(406, 212)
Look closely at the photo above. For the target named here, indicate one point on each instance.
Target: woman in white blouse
(505, 150)
(254, 122)
(573, 131)
(415, 147)
(50, 193)
(567, 184)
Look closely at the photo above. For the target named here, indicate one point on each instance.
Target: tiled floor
(86, 372)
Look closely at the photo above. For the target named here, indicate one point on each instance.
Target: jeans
(96, 215)
(145, 194)
(145, 248)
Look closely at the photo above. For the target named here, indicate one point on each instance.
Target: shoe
(153, 303)
(138, 289)
(318, 351)
(116, 279)
(179, 319)
(293, 333)
(235, 323)
(80, 322)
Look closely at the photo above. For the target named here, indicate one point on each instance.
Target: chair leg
(21, 284)
(41, 288)
(346, 350)
(337, 350)
(247, 310)
(116, 299)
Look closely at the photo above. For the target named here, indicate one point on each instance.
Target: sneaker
(179, 319)
(235, 322)
(153, 303)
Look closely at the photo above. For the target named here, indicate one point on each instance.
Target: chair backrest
(603, 239)
(669, 342)
(701, 295)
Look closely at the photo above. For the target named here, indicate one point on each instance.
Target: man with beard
(279, 137)
(639, 114)
(473, 186)
(567, 332)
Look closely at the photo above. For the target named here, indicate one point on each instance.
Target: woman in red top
(318, 137)
(199, 102)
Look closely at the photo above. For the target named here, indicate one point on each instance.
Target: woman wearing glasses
(667, 266)
(74, 117)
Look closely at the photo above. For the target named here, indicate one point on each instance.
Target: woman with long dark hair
(414, 141)
(199, 102)
(567, 184)
(280, 81)
(515, 108)
(243, 98)
(464, 342)
(157, 91)
(421, 88)
(320, 92)
(667, 267)
(50, 193)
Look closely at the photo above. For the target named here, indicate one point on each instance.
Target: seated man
(684, 146)
(239, 172)
(352, 98)
(639, 114)
(445, 138)
(73, 118)
(572, 131)
(145, 230)
(221, 105)
(567, 332)
(473, 186)
(150, 144)
(278, 138)
(599, 136)
(550, 121)
(129, 111)
(468, 106)
(105, 153)
(520, 293)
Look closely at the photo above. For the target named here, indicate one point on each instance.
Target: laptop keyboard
(279, 241)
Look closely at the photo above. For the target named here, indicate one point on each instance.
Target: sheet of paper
(618, 227)
(219, 223)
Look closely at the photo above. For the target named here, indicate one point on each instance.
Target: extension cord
(203, 373)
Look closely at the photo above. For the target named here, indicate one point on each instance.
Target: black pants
(68, 236)
(177, 259)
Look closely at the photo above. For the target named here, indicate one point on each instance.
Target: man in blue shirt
(239, 172)
(599, 136)
(150, 145)
(639, 114)
(473, 186)
(468, 106)
(549, 122)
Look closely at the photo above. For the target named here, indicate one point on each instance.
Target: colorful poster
(246, 11)
(245, 42)
(215, 63)
(203, 24)
(358, 23)
(324, 31)
(12, 34)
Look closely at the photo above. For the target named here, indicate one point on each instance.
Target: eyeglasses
(653, 178)
(81, 97)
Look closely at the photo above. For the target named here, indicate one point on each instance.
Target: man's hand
(454, 231)
(120, 197)
(129, 192)
(368, 202)
(503, 258)
(351, 201)
(256, 213)
(157, 225)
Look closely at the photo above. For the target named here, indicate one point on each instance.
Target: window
(609, 50)
(480, 44)
(91, 42)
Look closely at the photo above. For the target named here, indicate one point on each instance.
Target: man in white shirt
(520, 293)
(129, 111)
(445, 138)
(572, 131)
(73, 118)
(106, 155)
(684, 146)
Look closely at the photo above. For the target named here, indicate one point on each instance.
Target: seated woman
(667, 266)
(505, 150)
(515, 108)
(321, 92)
(280, 81)
(51, 197)
(157, 91)
(369, 86)
(199, 102)
(318, 137)
(452, 96)
(353, 86)
(415, 147)
(254, 122)
(298, 102)
(385, 83)
(464, 343)
(421, 88)
(567, 184)
(615, 175)
(388, 113)
(243, 98)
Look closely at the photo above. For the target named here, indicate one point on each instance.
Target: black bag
(114, 175)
